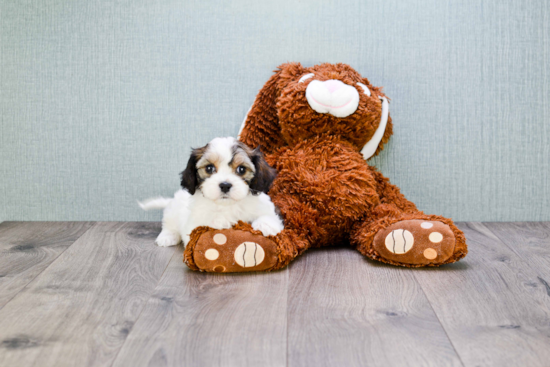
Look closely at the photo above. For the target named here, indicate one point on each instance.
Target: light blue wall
(101, 101)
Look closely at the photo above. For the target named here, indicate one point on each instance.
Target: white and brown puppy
(224, 182)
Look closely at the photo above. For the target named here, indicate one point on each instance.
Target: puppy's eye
(241, 170)
(210, 169)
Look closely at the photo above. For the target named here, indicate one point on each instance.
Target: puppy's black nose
(225, 187)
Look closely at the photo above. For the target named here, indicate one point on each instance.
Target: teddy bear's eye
(365, 88)
(305, 77)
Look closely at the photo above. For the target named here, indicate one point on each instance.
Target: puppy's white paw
(268, 226)
(166, 238)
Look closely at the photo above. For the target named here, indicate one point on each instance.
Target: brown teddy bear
(316, 127)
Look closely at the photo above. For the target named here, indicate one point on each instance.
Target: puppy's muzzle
(225, 187)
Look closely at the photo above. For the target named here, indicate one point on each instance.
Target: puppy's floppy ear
(265, 174)
(189, 178)
(261, 125)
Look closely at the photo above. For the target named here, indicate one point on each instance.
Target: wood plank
(345, 310)
(531, 241)
(491, 304)
(81, 308)
(205, 319)
(27, 248)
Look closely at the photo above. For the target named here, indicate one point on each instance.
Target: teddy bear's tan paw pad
(416, 242)
(231, 251)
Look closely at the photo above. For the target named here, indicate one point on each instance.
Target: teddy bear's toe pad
(415, 242)
(230, 251)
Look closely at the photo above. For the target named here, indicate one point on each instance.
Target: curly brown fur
(189, 249)
(325, 190)
(281, 115)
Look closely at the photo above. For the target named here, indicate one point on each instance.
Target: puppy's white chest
(206, 213)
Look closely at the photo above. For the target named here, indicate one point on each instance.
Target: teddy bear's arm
(261, 126)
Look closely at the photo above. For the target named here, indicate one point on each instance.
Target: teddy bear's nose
(332, 96)
(333, 85)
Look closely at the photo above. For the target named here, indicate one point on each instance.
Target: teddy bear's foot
(415, 243)
(231, 251)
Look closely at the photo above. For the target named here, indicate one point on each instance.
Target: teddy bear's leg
(243, 249)
(237, 249)
(396, 232)
(410, 239)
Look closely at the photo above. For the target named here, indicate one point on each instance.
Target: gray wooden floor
(101, 294)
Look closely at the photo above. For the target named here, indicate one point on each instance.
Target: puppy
(224, 182)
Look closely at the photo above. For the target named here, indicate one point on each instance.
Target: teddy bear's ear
(261, 124)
